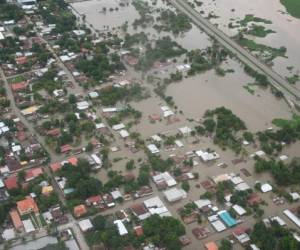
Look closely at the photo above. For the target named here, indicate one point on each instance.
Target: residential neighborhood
(102, 147)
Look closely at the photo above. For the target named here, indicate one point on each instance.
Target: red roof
(139, 231)
(11, 182)
(18, 86)
(53, 132)
(73, 161)
(16, 220)
(211, 246)
(80, 210)
(239, 230)
(27, 205)
(33, 173)
(94, 199)
(65, 148)
(55, 166)
(21, 136)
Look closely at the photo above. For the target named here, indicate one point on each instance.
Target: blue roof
(227, 218)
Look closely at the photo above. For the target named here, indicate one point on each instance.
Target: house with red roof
(16, 220)
(26, 206)
(79, 210)
(94, 200)
(55, 166)
(19, 86)
(33, 173)
(73, 161)
(11, 182)
(65, 148)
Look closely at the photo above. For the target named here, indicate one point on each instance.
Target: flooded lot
(95, 14)
(197, 94)
(285, 26)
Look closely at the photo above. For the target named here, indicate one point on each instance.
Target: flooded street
(192, 96)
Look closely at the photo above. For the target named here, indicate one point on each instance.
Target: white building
(175, 194)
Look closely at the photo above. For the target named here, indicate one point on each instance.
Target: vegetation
(292, 7)
(10, 11)
(259, 31)
(164, 49)
(170, 21)
(166, 235)
(266, 52)
(251, 18)
(225, 125)
(111, 95)
(273, 238)
(101, 65)
(283, 174)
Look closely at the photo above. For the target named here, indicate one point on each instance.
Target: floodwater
(93, 10)
(286, 27)
(197, 94)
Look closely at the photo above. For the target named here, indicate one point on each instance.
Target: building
(211, 246)
(26, 206)
(85, 225)
(175, 194)
(79, 210)
(16, 220)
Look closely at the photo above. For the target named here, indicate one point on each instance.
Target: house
(240, 233)
(11, 182)
(200, 232)
(16, 220)
(20, 86)
(164, 179)
(139, 231)
(153, 149)
(21, 60)
(65, 148)
(254, 199)
(55, 166)
(211, 246)
(8, 234)
(33, 173)
(79, 210)
(175, 194)
(26, 206)
(85, 225)
(140, 211)
(47, 190)
(94, 200)
(121, 227)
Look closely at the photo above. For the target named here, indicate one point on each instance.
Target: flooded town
(149, 124)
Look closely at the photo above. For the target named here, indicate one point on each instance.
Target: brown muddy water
(286, 27)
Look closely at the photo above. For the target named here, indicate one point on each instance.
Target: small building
(85, 225)
(79, 210)
(28, 226)
(16, 220)
(211, 246)
(153, 149)
(139, 231)
(121, 227)
(265, 188)
(8, 234)
(175, 194)
(239, 210)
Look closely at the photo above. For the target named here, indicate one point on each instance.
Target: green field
(292, 7)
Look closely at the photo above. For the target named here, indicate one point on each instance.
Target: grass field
(292, 7)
